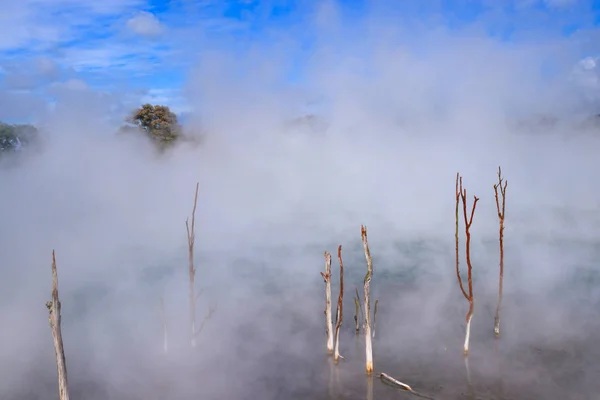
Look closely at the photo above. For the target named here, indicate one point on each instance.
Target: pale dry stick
(367, 288)
(164, 326)
(375, 316)
(328, 322)
(385, 378)
(500, 211)
(192, 269)
(340, 311)
(54, 318)
(462, 194)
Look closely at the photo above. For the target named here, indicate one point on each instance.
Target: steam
(398, 116)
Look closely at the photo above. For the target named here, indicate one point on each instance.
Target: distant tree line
(15, 137)
(157, 122)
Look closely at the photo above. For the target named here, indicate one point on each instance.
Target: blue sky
(144, 50)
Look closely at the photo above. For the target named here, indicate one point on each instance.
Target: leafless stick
(340, 311)
(357, 307)
(328, 322)
(462, 195)
(164, 324)
(191, 268)
(396, 383)
(360, 308)
(375, 316)
(367, 288)
(54, 318)
(501, 242)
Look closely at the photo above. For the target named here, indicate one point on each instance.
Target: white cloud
(145, 24)
(586, 76)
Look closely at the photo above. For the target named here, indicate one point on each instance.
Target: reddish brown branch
(340, 310)
(328, 321)
(468, 220)
(500, 210)
(54, 318)
(458, 191)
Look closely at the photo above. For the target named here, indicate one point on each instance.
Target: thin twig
(360, 307)
(375, 316)
(209, 314)
(357, 308)
(340, 311)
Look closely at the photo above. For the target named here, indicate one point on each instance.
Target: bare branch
(500, 210)
(328, 322)
(340, 312)
(367, 288)
(360, 307)
(191, 234)
(209, 314)
(385, 378)
(357, 307)
(375, 316)
(458, 191)
(468, 221)
(54, 318)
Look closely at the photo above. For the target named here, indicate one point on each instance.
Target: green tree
(14, 137)
(158, 122)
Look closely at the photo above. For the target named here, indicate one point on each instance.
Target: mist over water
(399, 120)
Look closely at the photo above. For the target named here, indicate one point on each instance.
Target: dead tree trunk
(367, 289)
(192, 270)
(461, 194)
(55, 320)
(500, 210)
(191, 234)
(340, 311)
(328, 321)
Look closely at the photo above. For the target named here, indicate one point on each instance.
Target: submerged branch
(387, 379)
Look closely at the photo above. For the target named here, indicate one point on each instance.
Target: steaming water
(273, 341)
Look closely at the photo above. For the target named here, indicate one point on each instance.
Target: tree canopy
(159, 123)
